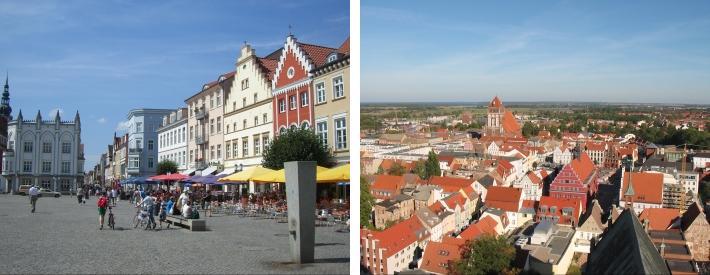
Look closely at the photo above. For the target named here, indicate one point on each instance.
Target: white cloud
(123, 126)
(101, 120)
(54, 112)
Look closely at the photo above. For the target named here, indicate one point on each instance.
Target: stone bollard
(301, 201)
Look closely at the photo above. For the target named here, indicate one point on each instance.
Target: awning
(246, 175)
(337, 174)
(189, 172)
(279, 176)
(227, 171)
(209, 171)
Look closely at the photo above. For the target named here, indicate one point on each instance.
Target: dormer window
(332, 57)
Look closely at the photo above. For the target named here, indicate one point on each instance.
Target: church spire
(5, 102)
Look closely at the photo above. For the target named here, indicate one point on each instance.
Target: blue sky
(612, 51)
(104, 58)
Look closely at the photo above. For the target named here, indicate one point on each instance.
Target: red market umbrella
(169, 177)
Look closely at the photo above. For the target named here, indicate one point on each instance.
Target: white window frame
(292, 100)
(282, 105)
(340, 84)
(340, 145)
(304, 99)
(322, 132)
(321, 95)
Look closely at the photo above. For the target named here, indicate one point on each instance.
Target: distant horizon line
(535, 102)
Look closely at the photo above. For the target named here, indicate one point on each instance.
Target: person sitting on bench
(187, 211)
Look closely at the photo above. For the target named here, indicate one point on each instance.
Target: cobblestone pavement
(64, 237)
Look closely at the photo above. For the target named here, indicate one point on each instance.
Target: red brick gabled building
(578, 179)
(293, 97)
(564, 211)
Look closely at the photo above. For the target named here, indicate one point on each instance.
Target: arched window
(305, 125)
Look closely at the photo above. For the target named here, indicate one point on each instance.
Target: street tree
(167, 166)
(296, 145)
(485, 255)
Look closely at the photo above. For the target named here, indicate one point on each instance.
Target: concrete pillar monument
(301, 201)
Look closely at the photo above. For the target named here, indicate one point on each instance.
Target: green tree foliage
(431, 166)
(529, 129)
(167, 166)
(485, 255)
(396, 169)
(296, 145)
(366, 202)
(420, 170)
(380, 171)
(368, 122)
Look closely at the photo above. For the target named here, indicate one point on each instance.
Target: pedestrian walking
(34, 194)
(114, 194)
(149, 203)
(80, 195)
(102, 204)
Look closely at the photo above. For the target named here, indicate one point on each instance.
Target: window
(139, 127)
(45, 183)
(341, 141)
(150, 145)
(338, 87)
(134, 162)
(245, 84)
(265, 141)
(182, 137)
(292, 100)
(244, 102)
(211, 152)
(264, 118)
(227, 128)
(211, 126)
(234, 106)
(46, 147)
(139, 143)
(191, 132)
(150, 162)
(192, 155)
(257, 146)
(227, 152)
(245, 146)
(219, 124)
(27, 166)
(244, 124)
(28, 147)
(320, 93)
(219, 151)
(322, 131)
(236, 149)
(282, 130)
(304, 99)
(211, 102)
(46, 167)
(256, 97)
(290, 73)
(332, 57)
(256, 120)
(219, 99)
(66, 167)
(282, 106)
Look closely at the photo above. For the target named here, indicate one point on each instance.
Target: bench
(192, 224)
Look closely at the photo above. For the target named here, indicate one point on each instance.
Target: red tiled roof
(595, 146)
(495, 102)
(470, 192)
(449, 184)
(318, 54)
(648, 187)
(387, 182)
(659, 218)
(505, 198)
(345, 47)
(268, 67)
(446, 158)
(439, 255)
(561, 203)
(534, 178)
(583, 166)
(398, 236)
(455, 199)
(437, 207)
(528, 204)
(510, 125)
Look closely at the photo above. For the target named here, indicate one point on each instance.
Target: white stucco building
(248, 112)
(172, 139)
(47, 153)
(560, 156)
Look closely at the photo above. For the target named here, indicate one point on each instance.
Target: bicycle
(111, 221)
(141, 218)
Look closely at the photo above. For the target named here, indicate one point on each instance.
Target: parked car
(24, 189)
(44, 192)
